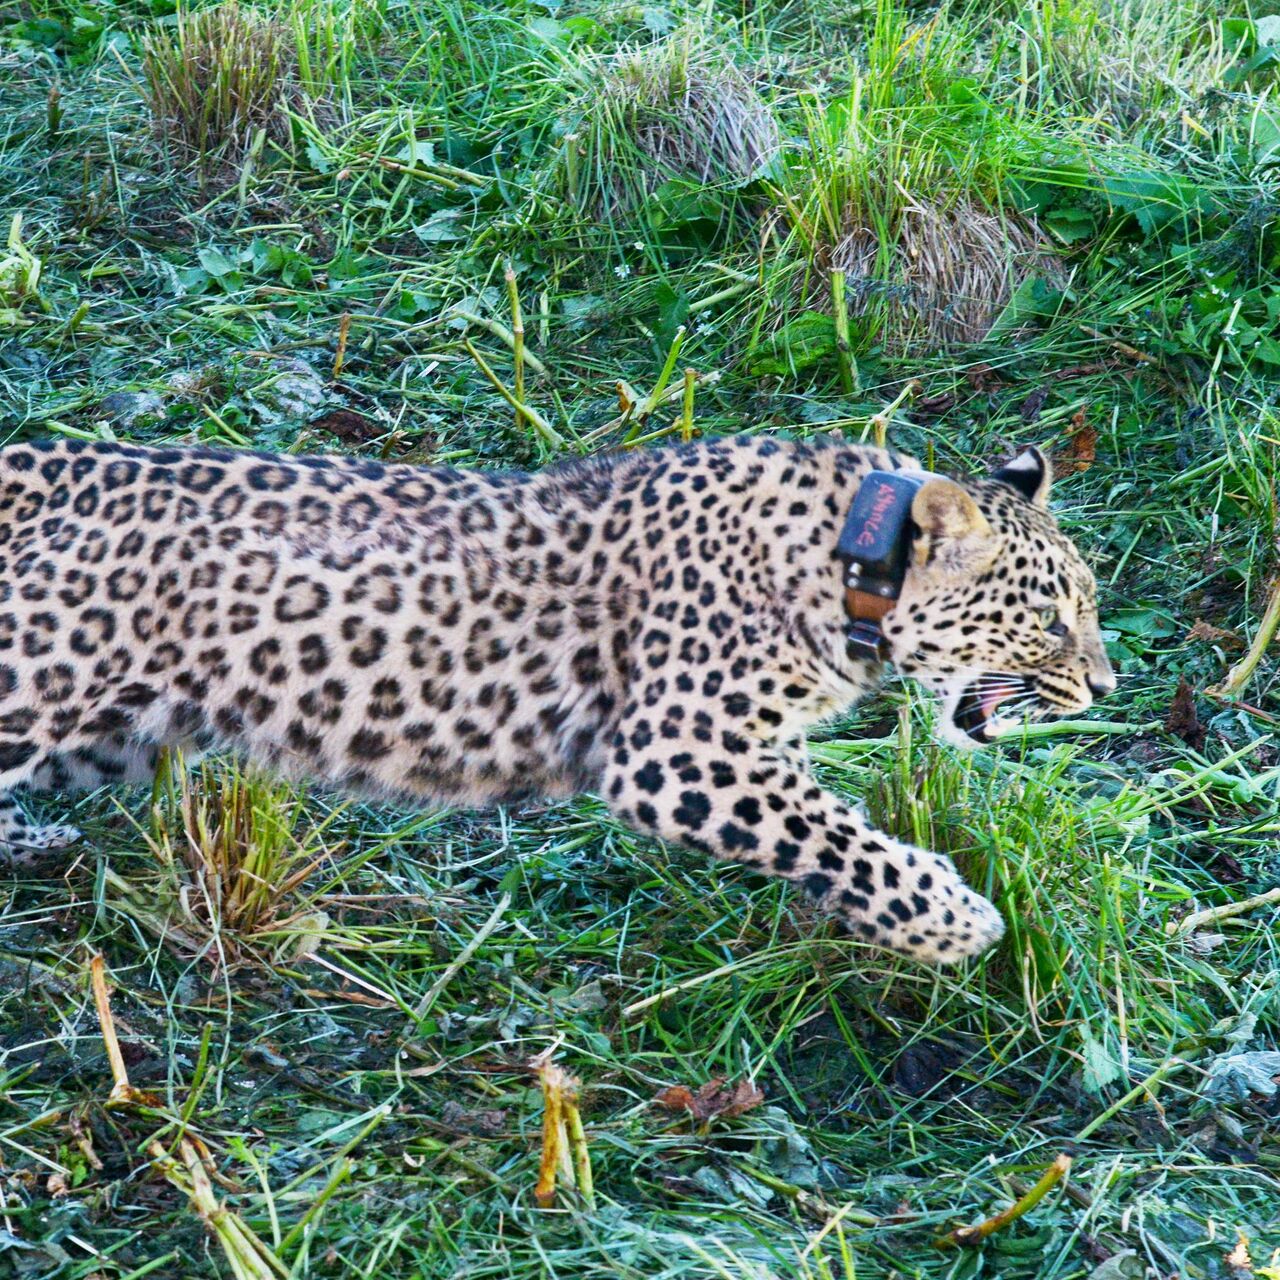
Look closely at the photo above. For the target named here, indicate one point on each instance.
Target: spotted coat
(660, 626)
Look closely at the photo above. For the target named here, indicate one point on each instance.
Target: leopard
(658, 626)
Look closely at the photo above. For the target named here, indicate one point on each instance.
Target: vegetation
(500, 231)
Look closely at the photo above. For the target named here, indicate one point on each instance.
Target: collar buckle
(865, 641)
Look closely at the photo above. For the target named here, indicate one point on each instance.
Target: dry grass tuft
(233, 849)
(945, 277)
(675, 110)
(220, 78)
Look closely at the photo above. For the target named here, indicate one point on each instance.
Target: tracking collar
(874, 547)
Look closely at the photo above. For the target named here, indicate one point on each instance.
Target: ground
(1056, 225)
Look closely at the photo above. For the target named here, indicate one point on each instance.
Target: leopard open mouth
(976, 711)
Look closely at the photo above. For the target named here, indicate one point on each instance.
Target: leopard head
(998, 611)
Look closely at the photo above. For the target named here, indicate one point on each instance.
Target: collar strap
(874, 548)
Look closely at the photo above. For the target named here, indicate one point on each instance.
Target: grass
(344, 1027)
(219, 83)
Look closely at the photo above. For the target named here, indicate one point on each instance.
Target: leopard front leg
(738, 798)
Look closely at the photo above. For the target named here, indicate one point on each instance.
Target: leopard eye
(1050, 621)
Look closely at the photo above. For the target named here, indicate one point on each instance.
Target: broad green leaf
(216, 263)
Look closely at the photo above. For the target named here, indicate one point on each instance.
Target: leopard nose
(1100, 686)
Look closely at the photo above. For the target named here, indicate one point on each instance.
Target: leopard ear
(942, 509)
(1030, 473)
(954, 534)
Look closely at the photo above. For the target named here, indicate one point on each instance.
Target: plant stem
(517, 342)
(849, 380)
(807, 1200)
(880, 422)
(121, 1090)
(1110, 728)
(581, 1154)
(1211, 915)
(686, 411)
(1239, 675)
(344, 329)
(548, 433)
(1161, 1073)
(460, 962)
(976, 1234)
(502, 333)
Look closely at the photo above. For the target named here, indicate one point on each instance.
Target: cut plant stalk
(686, 411)
(344, 330)
(654, 398)
(849, 380)
(438, 169)
(565, 1156)
(53, 113)
(250, 161)
(122, 1092)
(637, 413)
(503, 334)
(1240, 674)
(879, 422)
(549, 434)
(629, 404)
(248, 1256)
(977, 1234)
(724, 295)
(517, 344)
(193, 1171)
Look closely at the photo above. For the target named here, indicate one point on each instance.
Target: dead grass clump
(945, 276)
(232, 850)
(218, 79)
(676, 110)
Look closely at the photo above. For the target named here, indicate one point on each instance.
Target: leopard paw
(24, 847)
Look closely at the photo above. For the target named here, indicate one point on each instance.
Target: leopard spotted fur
(659, 626)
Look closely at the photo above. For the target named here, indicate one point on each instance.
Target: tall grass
(903, 186)
(677, 111)
(222, 80)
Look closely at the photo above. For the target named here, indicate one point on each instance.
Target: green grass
(342, 1002)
